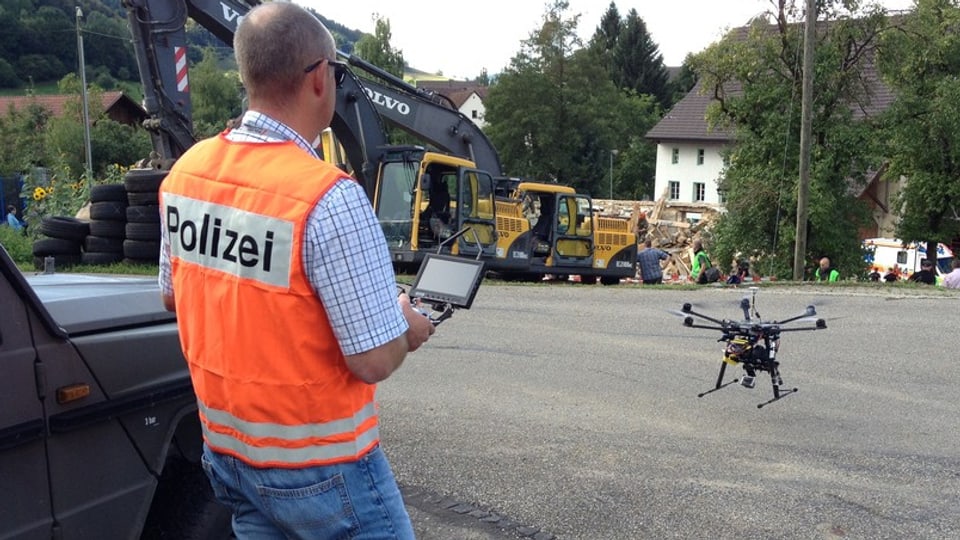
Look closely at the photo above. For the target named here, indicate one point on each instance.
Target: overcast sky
(460, 38)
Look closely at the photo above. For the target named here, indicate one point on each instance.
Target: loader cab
(561, 231)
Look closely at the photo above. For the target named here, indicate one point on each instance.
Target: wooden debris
(669, 225)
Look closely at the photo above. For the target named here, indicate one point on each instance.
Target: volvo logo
(231, 15)
(387, 102)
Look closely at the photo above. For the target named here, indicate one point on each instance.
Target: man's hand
(421, 328)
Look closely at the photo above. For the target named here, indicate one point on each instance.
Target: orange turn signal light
(73, 392)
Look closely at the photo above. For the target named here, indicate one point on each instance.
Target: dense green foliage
(377, 50)
(555, 114)
(33, 138)
(757, 77)
(38, 42)
(215, 95)
(921, 61)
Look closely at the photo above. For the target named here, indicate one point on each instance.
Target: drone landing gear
(778, 394)
(777, 382)
(720, 383)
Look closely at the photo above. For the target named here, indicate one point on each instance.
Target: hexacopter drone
(752, 343)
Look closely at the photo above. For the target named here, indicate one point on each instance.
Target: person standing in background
(648, 261)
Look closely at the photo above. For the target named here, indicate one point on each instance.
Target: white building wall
(687, 171)
(473, 109)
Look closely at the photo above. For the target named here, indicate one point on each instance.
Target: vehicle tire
(67, 228)
(108, 192)
(588, 280)
(185, 507)
(142, 250)
(56, 246)
(149, 232)
(112, 210)
(143, 214)
(145, 198)
(610, 280)
(101, 257)
(143, 180)
(108, 228)
(102, 244)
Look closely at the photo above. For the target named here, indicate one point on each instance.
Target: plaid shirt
(344, 253)
(649, 262)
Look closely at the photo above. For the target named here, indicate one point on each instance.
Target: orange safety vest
(270, 378)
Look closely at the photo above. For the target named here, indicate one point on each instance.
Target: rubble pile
(669, 225)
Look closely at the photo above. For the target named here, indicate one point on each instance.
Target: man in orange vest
(286, 301)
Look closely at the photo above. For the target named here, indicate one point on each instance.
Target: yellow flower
(39, 193)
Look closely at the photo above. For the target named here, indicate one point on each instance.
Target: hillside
(38, 43)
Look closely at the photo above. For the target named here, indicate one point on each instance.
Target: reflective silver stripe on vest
(290, 433)
(305, 454)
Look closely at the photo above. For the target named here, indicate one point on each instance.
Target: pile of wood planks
(669, 225)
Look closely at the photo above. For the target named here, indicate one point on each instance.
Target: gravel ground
(570, 411)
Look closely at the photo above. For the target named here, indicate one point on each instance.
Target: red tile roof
(55, 102)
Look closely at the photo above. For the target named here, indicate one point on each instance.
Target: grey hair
(273, 44)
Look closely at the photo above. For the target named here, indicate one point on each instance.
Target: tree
(684, 81)
(632, 58)
(216, 95)
(22, 132)
(555, 115)
(377, 50)
(110, 142)
(920, 60)
(755, 77)
(637, 62)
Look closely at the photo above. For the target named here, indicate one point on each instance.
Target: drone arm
(688, 311)
(806, 328)
(706, 327)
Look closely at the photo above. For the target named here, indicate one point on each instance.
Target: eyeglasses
(339, 69)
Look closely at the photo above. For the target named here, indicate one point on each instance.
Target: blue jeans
(358, 500)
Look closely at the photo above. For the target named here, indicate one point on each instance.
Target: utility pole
(83, 94)
(806, 129)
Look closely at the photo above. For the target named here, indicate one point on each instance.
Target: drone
(752, 343)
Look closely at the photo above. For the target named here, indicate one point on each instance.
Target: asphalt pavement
(571, 412)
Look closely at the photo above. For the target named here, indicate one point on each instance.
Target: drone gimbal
(752, 342)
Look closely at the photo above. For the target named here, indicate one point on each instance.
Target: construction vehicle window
(396, 193)
(478, 190)
(563, 216)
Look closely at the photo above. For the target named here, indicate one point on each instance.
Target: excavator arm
(427, 116)
(159, 35)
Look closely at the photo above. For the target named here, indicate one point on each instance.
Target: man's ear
(319, 79)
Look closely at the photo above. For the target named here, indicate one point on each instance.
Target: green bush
(17, 244)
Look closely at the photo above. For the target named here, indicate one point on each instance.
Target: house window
(473, 114)
(674, 190)
(676, 156)
(699, 191)
(699, 156)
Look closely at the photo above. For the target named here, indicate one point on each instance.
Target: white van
(887, 253)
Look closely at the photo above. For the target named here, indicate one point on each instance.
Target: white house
(466, 96)
(689, 154)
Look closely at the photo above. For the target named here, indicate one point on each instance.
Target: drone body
(752, 343)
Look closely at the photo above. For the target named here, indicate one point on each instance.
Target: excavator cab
(424, 198)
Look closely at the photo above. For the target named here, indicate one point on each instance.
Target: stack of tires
(108, 218)
(63, 239)
(142, 244)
